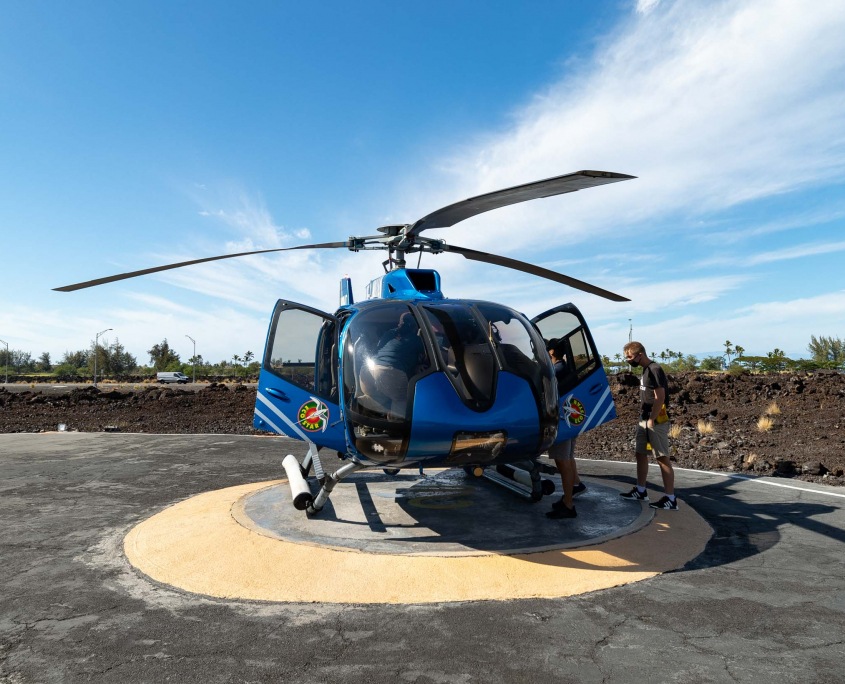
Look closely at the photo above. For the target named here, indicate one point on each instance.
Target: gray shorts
(562, 451)
(658, 437)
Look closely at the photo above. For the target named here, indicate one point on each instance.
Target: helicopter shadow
(742, 528)
(449, 513)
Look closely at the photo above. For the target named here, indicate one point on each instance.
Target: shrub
(705, 427)
(765, 423)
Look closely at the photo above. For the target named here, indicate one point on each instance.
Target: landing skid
(523, 479)
(303, 499)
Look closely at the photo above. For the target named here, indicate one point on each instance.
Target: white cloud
(646, 6)
(792, 252)
(709, 104)
(758, 328)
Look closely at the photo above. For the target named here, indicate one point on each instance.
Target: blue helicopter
(411, 378)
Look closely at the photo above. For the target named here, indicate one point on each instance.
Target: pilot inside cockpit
(401, 347)
(384, 369)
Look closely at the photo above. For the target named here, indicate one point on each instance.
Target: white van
(173, 377)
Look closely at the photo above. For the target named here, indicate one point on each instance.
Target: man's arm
(659, 400)
(659, 397)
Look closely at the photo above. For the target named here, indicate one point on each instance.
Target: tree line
(113, 361)
(826, 353)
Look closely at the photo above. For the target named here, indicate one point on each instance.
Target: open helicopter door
(585, 399)
(297, 390)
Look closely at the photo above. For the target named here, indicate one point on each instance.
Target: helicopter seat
(364, 383)
(392, 384)
(480, 368)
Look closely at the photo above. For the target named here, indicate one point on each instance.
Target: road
(64, 388)
(764, 602)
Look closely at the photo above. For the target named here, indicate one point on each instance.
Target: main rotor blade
(156, 269)
(507, 262)
(455, 213)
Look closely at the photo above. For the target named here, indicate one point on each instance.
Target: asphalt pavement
(764, 601)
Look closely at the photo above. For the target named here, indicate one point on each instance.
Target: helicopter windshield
(384, 351)
(464, 352)
(474, 341)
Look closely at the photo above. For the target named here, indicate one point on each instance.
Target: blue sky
(137, 134)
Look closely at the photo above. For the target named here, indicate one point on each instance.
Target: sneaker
(635, 495)
(580, 488)
(562, 512)
(665, 504)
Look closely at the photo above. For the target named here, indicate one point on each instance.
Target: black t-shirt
(653, 377)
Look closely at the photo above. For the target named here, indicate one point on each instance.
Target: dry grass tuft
(773, 409)
(764, 424)
(675, 431)
(705, 427)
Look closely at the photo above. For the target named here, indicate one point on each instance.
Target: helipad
(408, 539)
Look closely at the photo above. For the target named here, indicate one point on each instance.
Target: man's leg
(562, 454)
(567, 476)
(662, 452)
(668, 473)
(642, 470)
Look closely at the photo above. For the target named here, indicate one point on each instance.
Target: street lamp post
(96, 349)
(7, 361)
(194, 357)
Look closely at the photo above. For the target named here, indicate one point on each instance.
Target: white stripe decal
(607, 410)
(287, 420)
(601, 400)
(273, 425)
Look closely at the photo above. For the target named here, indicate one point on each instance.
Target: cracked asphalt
(764, 602)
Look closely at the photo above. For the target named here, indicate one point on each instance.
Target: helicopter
(408, 378)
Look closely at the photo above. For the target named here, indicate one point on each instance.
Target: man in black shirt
(652, 428)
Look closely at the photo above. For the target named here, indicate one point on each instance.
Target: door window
(581, 356)
(301, 348)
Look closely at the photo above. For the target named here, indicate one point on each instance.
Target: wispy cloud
(785, 254)
(710, 104)
(799, 220)
(646, 6)
(247, 215)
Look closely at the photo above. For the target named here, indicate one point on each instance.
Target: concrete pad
(242, 542)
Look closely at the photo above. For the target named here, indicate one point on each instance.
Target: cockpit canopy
(390, 346)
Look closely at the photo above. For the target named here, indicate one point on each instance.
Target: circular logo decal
(575, 412)
(313, 415)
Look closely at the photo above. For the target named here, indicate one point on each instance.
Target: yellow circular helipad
(199, 546)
